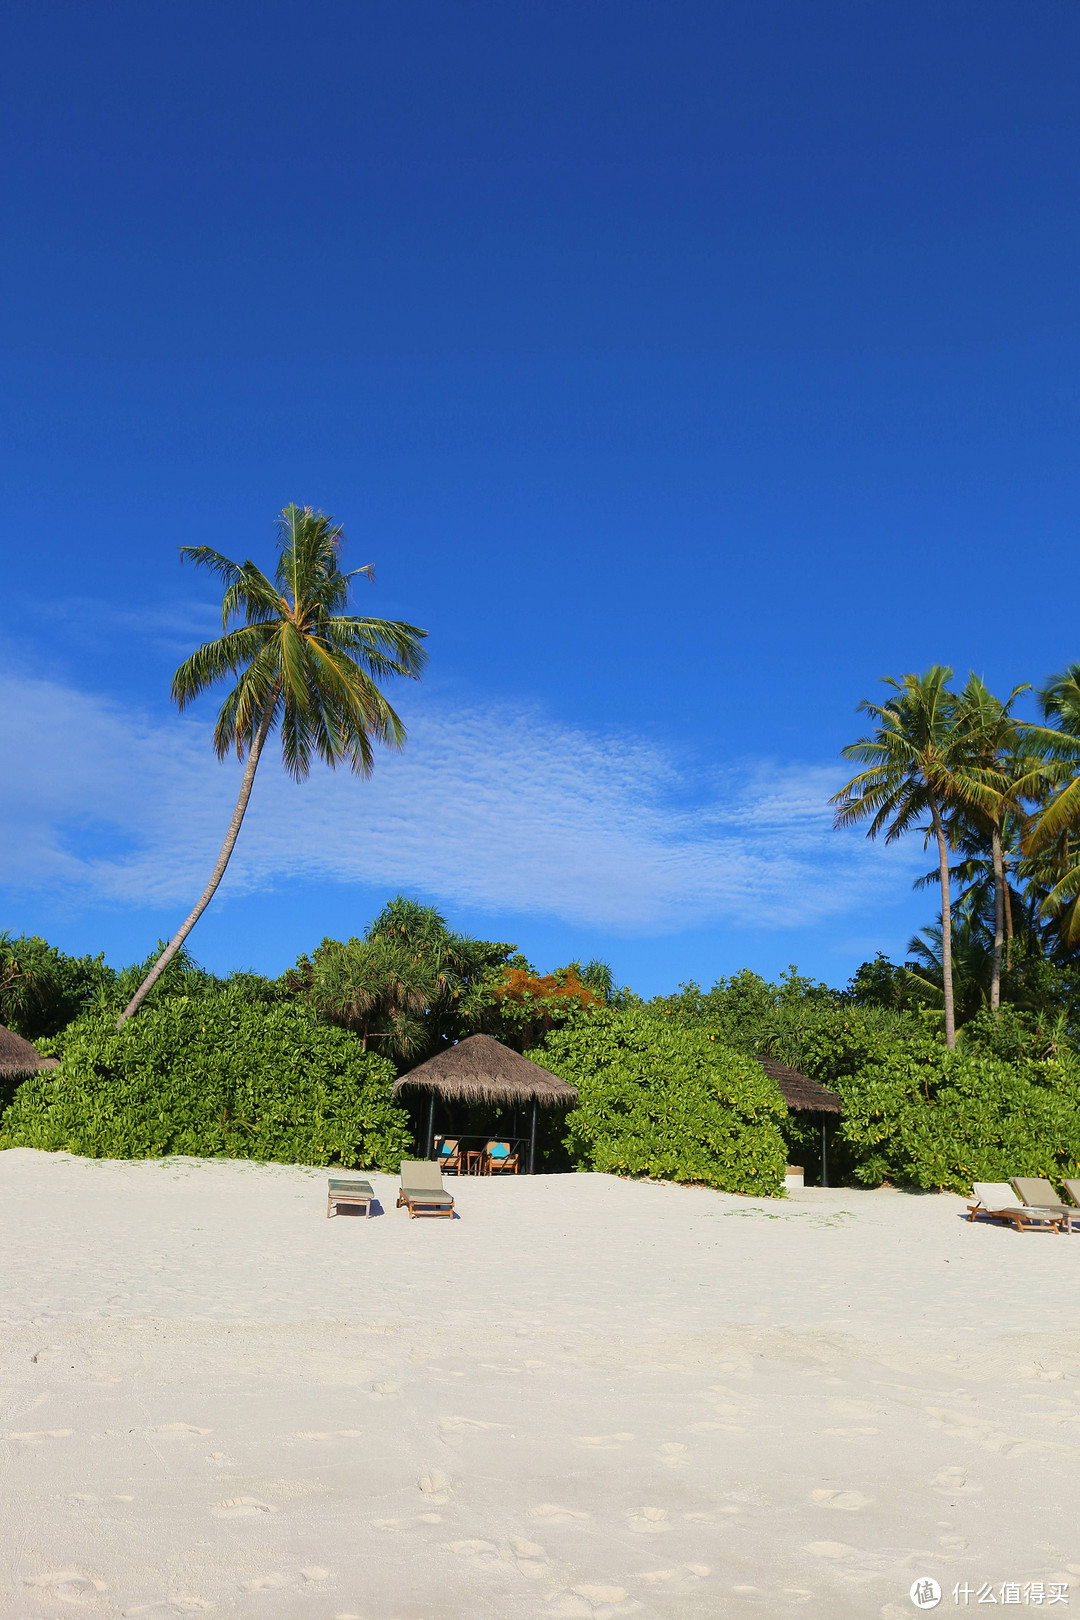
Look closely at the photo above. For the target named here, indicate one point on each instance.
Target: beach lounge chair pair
(1028, 1204)
(422, 1191)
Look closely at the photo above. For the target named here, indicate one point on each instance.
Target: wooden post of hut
(482, 1070)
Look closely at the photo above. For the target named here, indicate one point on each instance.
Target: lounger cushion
(421, 1175)
(1037, 1192)
(996, 1195)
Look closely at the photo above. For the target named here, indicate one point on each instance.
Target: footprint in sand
(315, 1573)
(672, 1452)
(849, 1408)
(435, 1485)
(601, 1594)
(65, 1583)
(530, 1557)
(485, 1551)
(828, 1549)
(386, 1388)
(952, 1543)
(954, 1482)
(264, 1583)
(32, 1435)
(552, 1513)
(241, 1507)
(175, 1603)
(176, 1428)
(649, 1520)
(847, 1501)
(451, 1429)
(854, 1434)
(655, 1576)
(605, 1441)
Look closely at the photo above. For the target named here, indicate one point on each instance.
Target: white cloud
(495, 807)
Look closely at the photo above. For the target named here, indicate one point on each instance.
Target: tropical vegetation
(959, 1062)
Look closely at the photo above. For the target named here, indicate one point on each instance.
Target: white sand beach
(584, 1398)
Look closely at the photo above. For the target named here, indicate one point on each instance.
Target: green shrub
(924, 1116)
(214, 1075)
(660, 1099)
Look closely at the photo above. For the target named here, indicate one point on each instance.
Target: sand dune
(585, 1398)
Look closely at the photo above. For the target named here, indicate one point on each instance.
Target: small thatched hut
(18, 1059)
(805, 1096)
(481, 1069)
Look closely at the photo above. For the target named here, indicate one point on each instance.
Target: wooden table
(474, 1161)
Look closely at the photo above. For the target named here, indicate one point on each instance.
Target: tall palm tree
(1052, 844)
(997, 779)
(300, 662)
(916, 760)
(972, 876)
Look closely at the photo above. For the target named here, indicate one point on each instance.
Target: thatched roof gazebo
(18, 1059)
(481, 1069)
(805, 1096)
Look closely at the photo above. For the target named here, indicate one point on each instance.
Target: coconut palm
(972, 961)
(919, 760)
(972, 877)
(1003, 776)
(300, 662)
(1053, 846)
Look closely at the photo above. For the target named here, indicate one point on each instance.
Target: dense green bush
(214, 1075)
(927, 1117)
(663, 1100)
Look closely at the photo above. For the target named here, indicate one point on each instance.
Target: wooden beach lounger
(996, 1201)
(346, 1190)
(1040, 1194)
(422, 1189)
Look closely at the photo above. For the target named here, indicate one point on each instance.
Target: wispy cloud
(496, 807)
(171, 628)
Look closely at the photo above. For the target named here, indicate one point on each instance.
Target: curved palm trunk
(215, 877)
(999, 916)
(946, 926)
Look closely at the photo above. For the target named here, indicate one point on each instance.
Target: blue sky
(683, 369)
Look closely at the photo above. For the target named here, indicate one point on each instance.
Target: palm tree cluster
(999, 798)
(408, 986)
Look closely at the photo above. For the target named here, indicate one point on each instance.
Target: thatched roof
(479, 1069)
(805, 1096)
(18, 1059)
